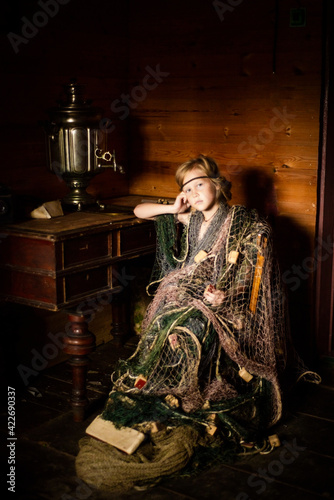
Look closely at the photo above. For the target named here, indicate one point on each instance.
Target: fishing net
(212, 366)
(198, 352)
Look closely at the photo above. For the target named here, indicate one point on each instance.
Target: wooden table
(67, 262)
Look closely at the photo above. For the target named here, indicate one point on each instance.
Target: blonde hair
(209, 168)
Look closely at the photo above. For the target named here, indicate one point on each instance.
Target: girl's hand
(214, 296)
(150, 210)
(181, 204)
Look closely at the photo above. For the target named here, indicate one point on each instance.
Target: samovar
(76, 145)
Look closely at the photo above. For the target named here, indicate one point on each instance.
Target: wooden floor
(47, 444)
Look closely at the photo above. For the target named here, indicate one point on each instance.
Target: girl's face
(201, 193)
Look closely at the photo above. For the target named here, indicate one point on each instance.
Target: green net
(202, 354)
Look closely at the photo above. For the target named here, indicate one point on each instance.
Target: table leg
(78, 343)
(120, 319)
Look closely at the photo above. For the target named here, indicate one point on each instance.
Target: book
(125, 439)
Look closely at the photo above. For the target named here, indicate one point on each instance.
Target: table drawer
(135, 239)
(86, 282)
(85, 248)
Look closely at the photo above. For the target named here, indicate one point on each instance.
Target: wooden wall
(230, 91)
(222, 85)
(230, 79)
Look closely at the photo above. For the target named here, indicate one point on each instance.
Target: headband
(200, 177)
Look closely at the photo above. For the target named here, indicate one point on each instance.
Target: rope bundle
(104, 467)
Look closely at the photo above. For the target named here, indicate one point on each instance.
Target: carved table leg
(119, 314)
(78, 343)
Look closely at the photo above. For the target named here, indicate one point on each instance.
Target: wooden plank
(160, 172)
(233, 125)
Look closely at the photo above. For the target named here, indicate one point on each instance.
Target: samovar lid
(73, 108)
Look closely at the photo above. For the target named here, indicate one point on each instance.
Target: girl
(213, 337)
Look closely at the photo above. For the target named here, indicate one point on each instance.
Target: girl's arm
(150, 210)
